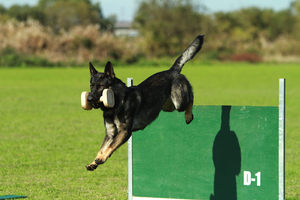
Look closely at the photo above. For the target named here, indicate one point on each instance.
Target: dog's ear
(109, 70)
(92, 69)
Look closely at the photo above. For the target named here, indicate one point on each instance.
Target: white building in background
(124, 28)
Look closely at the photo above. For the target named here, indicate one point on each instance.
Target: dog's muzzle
(90, 98)
(94, 101)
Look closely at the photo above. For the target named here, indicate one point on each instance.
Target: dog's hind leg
(168, 106)
(189, 113)
(182, 97)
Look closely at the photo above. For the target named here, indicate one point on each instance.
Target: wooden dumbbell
(107, 99)
(84, 103)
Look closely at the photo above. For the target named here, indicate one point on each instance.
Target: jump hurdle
(226, 153)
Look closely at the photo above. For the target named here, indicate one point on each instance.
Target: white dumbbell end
(108, 98)
(84, 103)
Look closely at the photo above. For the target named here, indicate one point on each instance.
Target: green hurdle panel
(227, 152)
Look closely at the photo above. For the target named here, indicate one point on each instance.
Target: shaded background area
(56, 32)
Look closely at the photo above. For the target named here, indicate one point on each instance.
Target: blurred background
(72, 32)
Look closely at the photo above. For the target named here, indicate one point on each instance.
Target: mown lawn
(46, 139)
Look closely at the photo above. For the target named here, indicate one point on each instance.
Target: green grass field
(46, 139)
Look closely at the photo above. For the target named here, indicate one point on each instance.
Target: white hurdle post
(281, 138)
(129, 84)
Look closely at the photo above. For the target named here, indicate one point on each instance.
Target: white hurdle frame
(281, 139)
(129, 84)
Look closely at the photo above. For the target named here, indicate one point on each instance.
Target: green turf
(46, 139)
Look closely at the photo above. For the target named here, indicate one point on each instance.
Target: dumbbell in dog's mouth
(91, 100)
(94, 101)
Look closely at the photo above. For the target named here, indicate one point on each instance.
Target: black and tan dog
(136, 107)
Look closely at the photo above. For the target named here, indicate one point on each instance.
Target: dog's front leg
(114, 138)
(122, 134)
(110, 130)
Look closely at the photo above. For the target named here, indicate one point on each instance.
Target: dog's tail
(188, 53)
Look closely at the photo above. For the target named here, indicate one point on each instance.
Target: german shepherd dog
(137, 106)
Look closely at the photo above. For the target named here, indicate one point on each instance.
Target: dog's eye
(100, 85)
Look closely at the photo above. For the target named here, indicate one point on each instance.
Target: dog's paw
(99, 161)
(91, 167)
(189, 119)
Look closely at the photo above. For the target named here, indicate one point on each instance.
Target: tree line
(165, 28)
(60, 14)
(168, 25)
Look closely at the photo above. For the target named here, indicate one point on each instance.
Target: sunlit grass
(46, 139)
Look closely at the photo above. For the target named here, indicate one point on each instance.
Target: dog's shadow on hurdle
(227, 160)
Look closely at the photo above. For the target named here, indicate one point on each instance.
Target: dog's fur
(137, 106)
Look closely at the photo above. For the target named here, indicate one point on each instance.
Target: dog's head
(100, 81)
